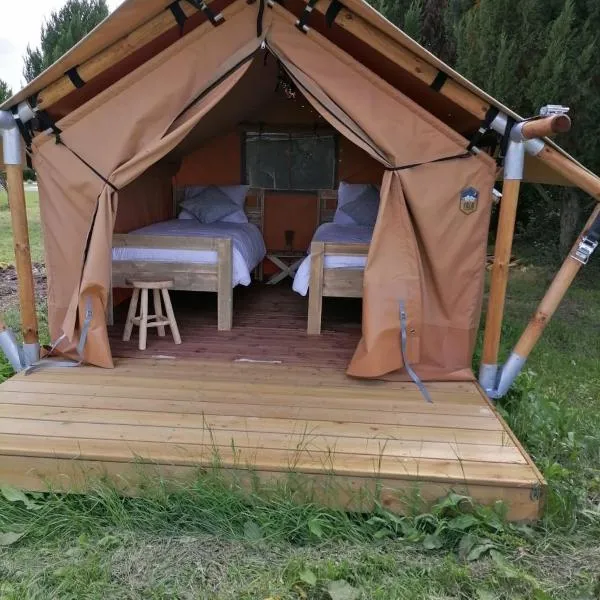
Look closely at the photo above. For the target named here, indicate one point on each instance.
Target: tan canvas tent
(136, 87)
(159, 98)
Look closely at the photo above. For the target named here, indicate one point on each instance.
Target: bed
(213, 257)
(334, 267)
(339, 249)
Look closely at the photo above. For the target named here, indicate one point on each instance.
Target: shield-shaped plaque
(469, 199)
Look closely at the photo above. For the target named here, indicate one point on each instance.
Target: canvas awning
(133, 14)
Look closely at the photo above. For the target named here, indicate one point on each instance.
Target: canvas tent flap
(443, 305)
(120, 146)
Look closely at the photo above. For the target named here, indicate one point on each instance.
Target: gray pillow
(363, 210)
(210, 205)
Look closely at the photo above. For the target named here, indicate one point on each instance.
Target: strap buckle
(585, 250)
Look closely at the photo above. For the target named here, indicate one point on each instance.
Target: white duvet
(332, 232)
(248, 245)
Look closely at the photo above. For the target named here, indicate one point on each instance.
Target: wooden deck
(371, 439)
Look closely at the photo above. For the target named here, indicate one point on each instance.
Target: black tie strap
(438, 83)
(302, 22)
(75, 78)
(205, 8)
(179, 15)
(333, 11)
(490, 115)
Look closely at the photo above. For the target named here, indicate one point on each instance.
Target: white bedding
(332, 232)
(248, 245)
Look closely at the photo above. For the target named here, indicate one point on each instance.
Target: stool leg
(171, 316)
(131, 314)
(158, 312)
(144, 320)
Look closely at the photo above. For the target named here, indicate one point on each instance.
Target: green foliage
(61, 32)
(5, 91)
(413, 20)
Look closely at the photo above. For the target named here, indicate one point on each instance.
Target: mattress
(248, 246)
(332, 232)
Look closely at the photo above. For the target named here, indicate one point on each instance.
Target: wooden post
(315, 288)
(553, 297)
(225, 284)
(18, 214)
(499, 282)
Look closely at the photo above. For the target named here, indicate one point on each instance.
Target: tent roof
(132, 14)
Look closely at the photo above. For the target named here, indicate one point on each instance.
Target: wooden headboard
(254, 207)
(327, 205)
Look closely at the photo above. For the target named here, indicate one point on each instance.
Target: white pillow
(348, 192)
(237, 193)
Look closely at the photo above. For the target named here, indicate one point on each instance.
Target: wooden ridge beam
(453, 90)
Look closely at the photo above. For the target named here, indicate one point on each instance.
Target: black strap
(335, 6)
(302, 22)
(438, 83)
(490, 115)
(178, 14)
(205, 8)
(24, 129)
(75, 78)
(430, 162)
(510, 123)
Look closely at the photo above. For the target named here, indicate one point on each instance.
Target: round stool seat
(151, 285)
(158, 319)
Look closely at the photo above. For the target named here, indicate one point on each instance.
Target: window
(290, 161)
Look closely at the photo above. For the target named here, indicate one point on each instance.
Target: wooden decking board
(376, 411)
(299, 414)
(286, 425)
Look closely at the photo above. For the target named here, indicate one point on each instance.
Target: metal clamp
(584, 250)
(554, 109)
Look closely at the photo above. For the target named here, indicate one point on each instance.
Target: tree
(5, 91)
(61, 32)
(531, 53)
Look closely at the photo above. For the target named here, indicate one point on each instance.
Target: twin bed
(217, 256)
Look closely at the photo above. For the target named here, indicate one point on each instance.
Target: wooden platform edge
(345, 492)
(354, 492)
(543, 484)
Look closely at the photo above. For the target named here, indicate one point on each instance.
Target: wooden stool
(144, 320)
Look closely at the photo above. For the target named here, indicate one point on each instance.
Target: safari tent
(211, 152)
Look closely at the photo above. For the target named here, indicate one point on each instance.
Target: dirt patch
(9, 295)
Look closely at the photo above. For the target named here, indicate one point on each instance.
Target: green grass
(212, 540)
(7, 255)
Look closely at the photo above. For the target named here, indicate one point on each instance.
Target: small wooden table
(287, 261)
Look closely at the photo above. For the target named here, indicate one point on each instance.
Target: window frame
(247, 129)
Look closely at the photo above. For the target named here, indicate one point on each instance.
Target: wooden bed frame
(186, 276)
(336, 283)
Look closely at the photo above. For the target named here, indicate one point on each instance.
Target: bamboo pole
(18, 214)
(553, 297)
(110, 56)
(546, 127)
(500, 270)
